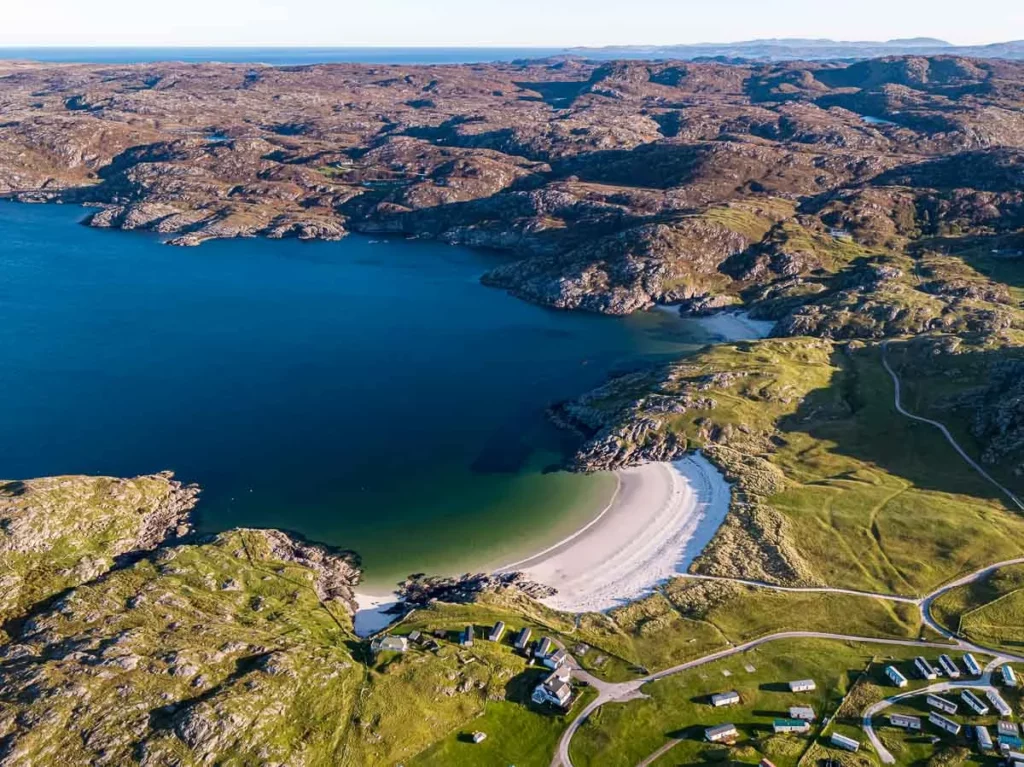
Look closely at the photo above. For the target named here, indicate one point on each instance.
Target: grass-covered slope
(59, 532)
(830, 484)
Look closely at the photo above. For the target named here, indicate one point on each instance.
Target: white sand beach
(736, 326)
(725, 326)
(371, 616)
(662, 517)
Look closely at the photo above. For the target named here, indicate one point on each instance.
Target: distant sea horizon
(276, 56)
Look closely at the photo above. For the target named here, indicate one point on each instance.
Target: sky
(540, 23)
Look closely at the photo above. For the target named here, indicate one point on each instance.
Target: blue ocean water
(278, 56)
(370, 394)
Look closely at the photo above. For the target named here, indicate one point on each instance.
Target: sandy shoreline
(727, 326)
(662, 518)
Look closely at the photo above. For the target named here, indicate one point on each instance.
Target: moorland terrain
(874, 211)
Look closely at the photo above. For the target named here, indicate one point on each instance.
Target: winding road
(609, 692)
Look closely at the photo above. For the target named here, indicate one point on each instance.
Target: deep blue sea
(370, 394)
(279, 56)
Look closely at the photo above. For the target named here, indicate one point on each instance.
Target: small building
(998, 703)
(1010, 743)
(972, 665)
(415, 637)
(467, 637)
(790, 725)
(720, 699)
(721, 733)
(389, 644)
(802, 712)
(944, 723)
(1007, 728)
(895, 676)
(803, 685)
(1009, 677)
(942, 704)
(555, 689)
(949, 666)
(523, 638)
(905, 721)
(974, 702)
(983, 737)
(841, 741)
(543, 648)
(556, 659)
(497, 632)
(924, 668)
(479, 737)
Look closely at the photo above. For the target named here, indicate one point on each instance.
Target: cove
(368, 394)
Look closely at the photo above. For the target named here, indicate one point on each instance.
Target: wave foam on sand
(662, 517)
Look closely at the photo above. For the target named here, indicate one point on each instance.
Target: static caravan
(1009, 678)
(790, 725)
(905, 721)
(721, 732)
(894, 674)
(925, 669)
(725, 699)
(523, 638)
(984, 739)
(974, 702)
(1008, 728)
(949, 667)
(998, 703)
(972, 665)
(841, 741)
(943, 723)
(497, 632)
(942, 704)
(544, 647)
(802, 712)
(803, 685)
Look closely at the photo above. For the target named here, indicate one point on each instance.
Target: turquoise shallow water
(371, 395)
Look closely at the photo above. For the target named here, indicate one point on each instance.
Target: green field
(989, 612)
(677, 707)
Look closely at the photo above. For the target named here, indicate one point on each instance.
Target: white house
(905, 721)
(841, 741)
(984, 739)
(389, 644)
(725, 699)
(555, 689)
(974, 702)
(544, 647)
(802, 685)
(721, 732)
(942, 704)
(556, 659)
(943, 723)
(972, 665)
(894, 674)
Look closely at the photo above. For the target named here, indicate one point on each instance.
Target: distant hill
(801, 49)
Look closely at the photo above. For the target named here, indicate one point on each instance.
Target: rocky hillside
(615, 185)
(60, 532)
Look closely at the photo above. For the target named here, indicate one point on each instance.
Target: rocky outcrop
(60, 532)
(421, 589)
